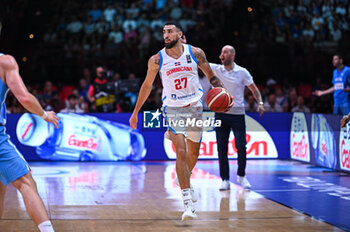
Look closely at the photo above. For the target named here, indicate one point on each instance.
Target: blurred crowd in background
(60, 46)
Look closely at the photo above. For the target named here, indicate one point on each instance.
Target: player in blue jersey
(340, 88)
(13, 168)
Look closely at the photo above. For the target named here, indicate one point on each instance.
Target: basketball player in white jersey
(13, 168)
(177, 65)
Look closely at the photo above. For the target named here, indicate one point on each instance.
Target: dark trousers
(237, 124)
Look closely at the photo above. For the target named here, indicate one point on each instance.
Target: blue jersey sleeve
(347, 77)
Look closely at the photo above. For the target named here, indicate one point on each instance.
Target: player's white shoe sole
(189, 214)
(194, 194)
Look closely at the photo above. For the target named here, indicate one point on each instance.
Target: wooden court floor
(113, 197)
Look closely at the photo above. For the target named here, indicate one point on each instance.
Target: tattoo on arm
(204, 65)
(200, 56)
(157, 61)
(214, 81)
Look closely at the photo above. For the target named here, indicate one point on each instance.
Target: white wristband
(44, 116)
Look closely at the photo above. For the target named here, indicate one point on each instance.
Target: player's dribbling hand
(51, 117)
(230, 105)
(133, 121)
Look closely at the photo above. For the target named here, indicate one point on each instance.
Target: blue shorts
(341, 109)
(12, 163)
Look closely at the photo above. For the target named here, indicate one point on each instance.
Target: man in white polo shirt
(234, 78)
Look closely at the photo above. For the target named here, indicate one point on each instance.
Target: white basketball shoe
(190, 212)
(225, 185)
(243, 181)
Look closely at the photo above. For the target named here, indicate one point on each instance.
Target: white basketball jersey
(180, 78)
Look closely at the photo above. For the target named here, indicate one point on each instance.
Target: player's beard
(172, 43)
(226, 62)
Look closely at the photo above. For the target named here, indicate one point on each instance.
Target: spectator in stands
(75, 26)
(129, 24)
(308, 32)
(72, 41)
(271, 105)
(84, 89)
(56, 104)
(86, 75)
(84, 106)
(132, 96)
(280, 98)
(89, 26)
(301, 107)
(116, 35)
(72, 106)
(251, 105)
(157, 23)
(102, 26)
(340, 9)
(109, 14)
(292, 101)
(95, 13)
(48, 91)
(145, 41)
(143, 23)
(327, 9)
(336, 33)
(176, 11)
(317, 21)
(130, 35)
(133, 11)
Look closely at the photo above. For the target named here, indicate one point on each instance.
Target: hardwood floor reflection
(112, 197)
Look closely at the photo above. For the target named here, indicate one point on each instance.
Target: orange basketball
(218, 99)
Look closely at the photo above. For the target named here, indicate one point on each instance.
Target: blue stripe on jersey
(190, 49)
(201, 102)
(161, 79)
(200, 90)
(164, 98)
(161, 60)
(3, 92)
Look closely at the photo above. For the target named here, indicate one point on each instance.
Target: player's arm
(153, 66)
(257, 96)
(15, 84)
(203, 64)
(323, 92)
(344, 121)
